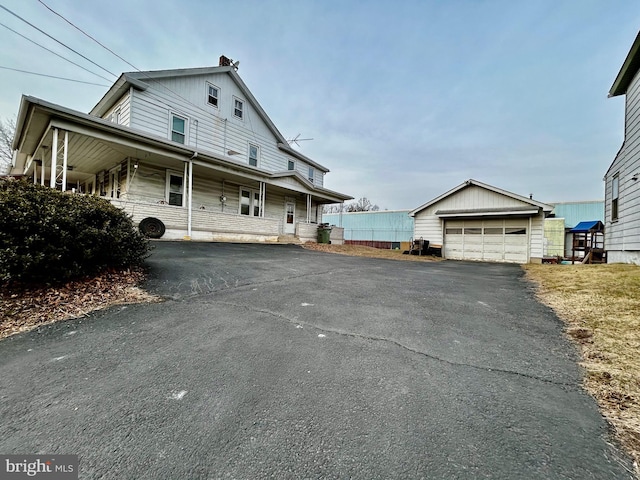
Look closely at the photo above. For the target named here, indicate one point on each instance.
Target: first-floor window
(615, 191)
(249, 202)
(175, 188)
(178, 128)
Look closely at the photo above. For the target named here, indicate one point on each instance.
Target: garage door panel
(504, 240)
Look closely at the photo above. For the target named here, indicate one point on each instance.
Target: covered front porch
(194, 194)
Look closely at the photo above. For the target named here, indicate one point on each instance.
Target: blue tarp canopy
(592, 226)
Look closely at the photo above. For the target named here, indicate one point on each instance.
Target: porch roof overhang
(488, 212)
(96, 138)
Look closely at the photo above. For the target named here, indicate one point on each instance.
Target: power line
(56, 40)
(53, 76)
(56, 54)
(86, 34)
(149, 77)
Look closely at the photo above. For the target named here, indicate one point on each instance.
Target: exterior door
(290, 218)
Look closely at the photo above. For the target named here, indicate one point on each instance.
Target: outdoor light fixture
(635, 177)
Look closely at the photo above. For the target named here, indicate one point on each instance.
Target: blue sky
(403, 99)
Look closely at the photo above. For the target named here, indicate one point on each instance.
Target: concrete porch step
(288, 239)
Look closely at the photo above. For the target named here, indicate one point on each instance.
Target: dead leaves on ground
(26, 308)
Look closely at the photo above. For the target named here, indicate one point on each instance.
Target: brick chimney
(224, 61)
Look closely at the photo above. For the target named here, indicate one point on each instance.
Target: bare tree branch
(7, 130)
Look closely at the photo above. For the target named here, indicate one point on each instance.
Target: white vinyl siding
(216, 131)
(121, 110)
(623, 234)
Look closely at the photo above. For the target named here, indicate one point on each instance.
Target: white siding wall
(624, 234)
(536, 238)
(216, 130)
(148, 185)
(124, 104)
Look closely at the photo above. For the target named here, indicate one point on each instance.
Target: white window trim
(206, 97)
(615, 197)
(186, 127)
(233, 107)
(117, 116)
(257, 154)
(167, 185)
(252, 195)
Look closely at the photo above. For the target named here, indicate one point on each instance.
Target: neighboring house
(622, 180)
(189, 153)
(564, 217)
(476, 221)
(381, 229)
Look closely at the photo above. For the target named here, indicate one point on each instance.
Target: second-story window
(291, 165)
(238, 108)
(311, 174)
(253, 155)
(212, 95)
(178, 128)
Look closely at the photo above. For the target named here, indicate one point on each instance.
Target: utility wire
(53, 76)
(56, 54)
(86, 34)
(148, 77)
(56, 40)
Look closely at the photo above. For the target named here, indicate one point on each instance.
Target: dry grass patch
(362, 251)
(600, 305)
(24, 309)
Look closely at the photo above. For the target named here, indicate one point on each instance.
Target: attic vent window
(238, 107)
(212, 95)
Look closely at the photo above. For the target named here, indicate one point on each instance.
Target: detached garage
(476, 221)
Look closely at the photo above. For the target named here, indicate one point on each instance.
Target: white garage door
(487, 240)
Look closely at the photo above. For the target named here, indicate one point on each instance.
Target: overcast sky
(403, 99)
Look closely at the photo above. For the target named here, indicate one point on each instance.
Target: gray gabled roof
(142, 80)
(470, 182)
(628, 70)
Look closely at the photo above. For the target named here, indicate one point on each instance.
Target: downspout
(190, 196)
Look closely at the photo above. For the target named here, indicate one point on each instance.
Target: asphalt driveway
(274, 361)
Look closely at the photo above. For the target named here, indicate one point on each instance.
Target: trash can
(324, 233)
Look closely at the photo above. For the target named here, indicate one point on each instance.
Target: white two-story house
(622, 179)
(188, 153)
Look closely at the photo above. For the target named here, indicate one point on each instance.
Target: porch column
(64, 160)
(263, 195)
(35, 171)
(54, 159)
(308, 208)
(190, 198)
(42, 170)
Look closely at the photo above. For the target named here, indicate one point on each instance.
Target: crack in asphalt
(400, 345)
(205, 286)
